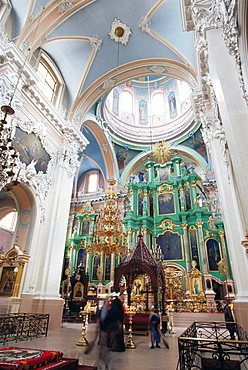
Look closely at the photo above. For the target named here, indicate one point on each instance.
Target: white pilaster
(48, 251)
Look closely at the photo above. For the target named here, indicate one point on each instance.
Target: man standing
(229, 319)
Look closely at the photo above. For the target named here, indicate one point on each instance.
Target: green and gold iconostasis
(169, 205)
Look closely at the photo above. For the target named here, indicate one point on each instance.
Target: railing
(208, 345)
(23, 326)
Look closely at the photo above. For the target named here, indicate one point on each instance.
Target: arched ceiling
(79, 36)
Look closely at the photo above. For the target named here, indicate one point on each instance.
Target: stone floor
(142, 357)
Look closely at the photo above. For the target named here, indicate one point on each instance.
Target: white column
(186, 246)
(202, 247)
(47, 250)
(230, 206)
(234, 113)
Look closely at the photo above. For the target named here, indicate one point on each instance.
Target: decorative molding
(105, 147)
(119, 32)
(65, 5)
(167, 224)
(67, 158)
(79, 119)
(26, 89)
(245, 242)
(109, 83)
(25, 47)
(95, 42)
(31, 287)
(231, 36)
(156, 68)
(207, 14)
(39, 182)
(145, 25)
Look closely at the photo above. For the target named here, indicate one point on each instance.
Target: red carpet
(15, 358)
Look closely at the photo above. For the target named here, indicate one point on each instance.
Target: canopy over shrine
(141, 262)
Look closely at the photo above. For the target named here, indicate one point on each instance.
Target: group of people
(111, 334)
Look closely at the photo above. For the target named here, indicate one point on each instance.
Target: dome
(148, 110)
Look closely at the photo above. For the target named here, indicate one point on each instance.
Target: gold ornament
(161, 151)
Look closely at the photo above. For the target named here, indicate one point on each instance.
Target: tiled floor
(141, 358)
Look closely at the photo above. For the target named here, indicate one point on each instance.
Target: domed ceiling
(83, 39)
(101, 47)
(147, 110)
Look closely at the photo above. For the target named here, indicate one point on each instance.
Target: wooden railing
(22, 326)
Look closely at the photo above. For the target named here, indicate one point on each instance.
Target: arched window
(47, 83)
(127, 102)
(92, 184)
(158, 103)
(89, 182)
(51, 83)
(184, 91)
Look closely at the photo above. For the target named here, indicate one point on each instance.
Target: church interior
(123, 163)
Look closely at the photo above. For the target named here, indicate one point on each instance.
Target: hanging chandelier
(8, 154)
(109, 234)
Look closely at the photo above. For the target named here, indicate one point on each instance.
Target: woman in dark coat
(115, 326)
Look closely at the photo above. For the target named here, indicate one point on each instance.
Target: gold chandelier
(8, 154)
(109, 235)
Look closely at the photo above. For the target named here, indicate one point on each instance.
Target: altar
(139, 323)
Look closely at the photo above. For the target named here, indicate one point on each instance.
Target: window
(127, 102)
(47, 82)
(158, 104)
(92, 183)
(51, 83)
(9, 221)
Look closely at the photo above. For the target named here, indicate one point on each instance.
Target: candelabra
(131, 311)
(83, 341)
(8, 154)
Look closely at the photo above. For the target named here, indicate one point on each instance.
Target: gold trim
(165, 188)
(221, 233)
(192, 228)
(167, 224)
(209, 234)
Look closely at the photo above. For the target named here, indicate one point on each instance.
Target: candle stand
(83, 341)
(131, 311)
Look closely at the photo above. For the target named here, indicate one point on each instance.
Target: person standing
(154, 322)
(115, 327)
(102, 331)
(229, 319)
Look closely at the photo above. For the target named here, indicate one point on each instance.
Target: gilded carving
(167, 224)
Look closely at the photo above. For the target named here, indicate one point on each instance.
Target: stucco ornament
(119, 32)
(65, 5)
